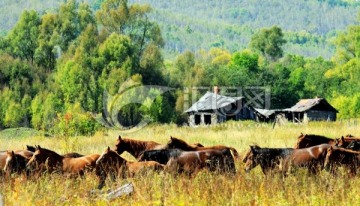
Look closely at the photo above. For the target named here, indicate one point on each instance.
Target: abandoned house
(317, 109)
(213, 108)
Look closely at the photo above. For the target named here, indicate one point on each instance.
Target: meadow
(251, 188)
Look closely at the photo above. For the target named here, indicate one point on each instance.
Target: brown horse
(269, 159)
(344, 142)
(110, 162)
(309, 140)
(68, 165)
(135, 147)
(214, 160)
(339, 156)
(15, 163)
(175, 143)
(3, 156)
(311, 158)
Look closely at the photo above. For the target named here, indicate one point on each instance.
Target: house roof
(308, 104)
(212, 101)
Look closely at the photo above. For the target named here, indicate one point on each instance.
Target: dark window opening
(207, 119)
(197, 119)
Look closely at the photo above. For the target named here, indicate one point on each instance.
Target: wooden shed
(317, 109)
(213, 108)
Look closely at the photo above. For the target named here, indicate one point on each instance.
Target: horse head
(121, 145)
(251, 158)
(9, 162)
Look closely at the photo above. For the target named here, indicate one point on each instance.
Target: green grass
(205, 189)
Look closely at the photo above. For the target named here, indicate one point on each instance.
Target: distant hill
(309, 25)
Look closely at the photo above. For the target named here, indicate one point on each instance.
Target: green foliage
(56, 66)
(269, 43)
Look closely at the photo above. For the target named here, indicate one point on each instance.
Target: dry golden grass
(205, 189)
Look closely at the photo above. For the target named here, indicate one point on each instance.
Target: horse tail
(235, 152)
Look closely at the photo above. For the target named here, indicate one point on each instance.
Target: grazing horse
(269, 159)
(110, 162)
(161, 156)
(71, 154)
(55, 162)
(340, 156)
(311, 158)
(175, 143)
(309, 140)
(15, 163)
(214, 160)
(135, 147)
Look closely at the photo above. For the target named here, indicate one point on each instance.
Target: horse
(340, 156)
(161, 156)
(15, 163)
(110, 162)
(214, 160)
(175, 143)
(344, 142)
(3, 156)
(55, 162)
(135, 147)
(268, 158)
(311, 158)
(354, 145)
(309, 140)
(71, 154)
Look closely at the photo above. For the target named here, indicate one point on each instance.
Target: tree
(23, 37)
(269, 43)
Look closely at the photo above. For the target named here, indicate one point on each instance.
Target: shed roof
(212, 101)
(265, 112)
(308, 104)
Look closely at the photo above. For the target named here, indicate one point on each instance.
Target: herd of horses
(313, 152)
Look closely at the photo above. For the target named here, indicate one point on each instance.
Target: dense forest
(61, 67)
(309, 26)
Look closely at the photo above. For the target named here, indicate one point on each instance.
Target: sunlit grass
(205, 189)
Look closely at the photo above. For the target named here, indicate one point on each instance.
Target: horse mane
(50, 151)
(181, 143)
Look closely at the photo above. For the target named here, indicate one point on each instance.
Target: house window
(207, 119)
(197, 119)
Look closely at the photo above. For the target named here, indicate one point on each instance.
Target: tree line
(60, 68)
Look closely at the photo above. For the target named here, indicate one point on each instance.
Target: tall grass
(205, 189)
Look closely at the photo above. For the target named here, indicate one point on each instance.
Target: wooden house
(317, 109)
(213, 108)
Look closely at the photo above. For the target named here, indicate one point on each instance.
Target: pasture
(205, 188)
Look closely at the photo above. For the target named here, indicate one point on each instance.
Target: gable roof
(212, 101)
(308, 104)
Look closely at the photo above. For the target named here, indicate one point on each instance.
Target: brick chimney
(216, 90)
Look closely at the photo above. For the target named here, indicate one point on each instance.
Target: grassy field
(205, 189)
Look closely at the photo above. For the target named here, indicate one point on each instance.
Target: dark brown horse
(269, 159)
(111, 163)
(175, 143)
(312, 158)
(135, 147)
(344, 142)
(68, 165)
(309, 140)
(15, 163)
(214, 160)
(71, 154)
(339, 156)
